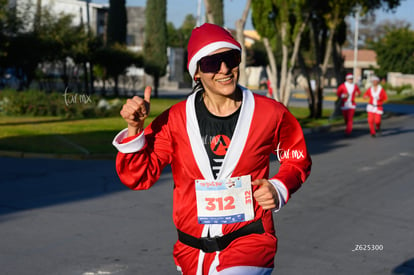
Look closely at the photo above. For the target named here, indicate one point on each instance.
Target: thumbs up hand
(135, 111)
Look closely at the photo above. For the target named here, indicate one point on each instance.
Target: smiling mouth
(224, 79)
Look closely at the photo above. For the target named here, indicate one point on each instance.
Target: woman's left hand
(266, 196)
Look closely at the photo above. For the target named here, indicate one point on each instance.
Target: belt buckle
(210, 245)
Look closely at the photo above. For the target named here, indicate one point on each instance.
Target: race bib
(348, 104)
(371, 108)
(224, 201)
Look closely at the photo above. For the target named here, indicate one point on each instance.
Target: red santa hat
(206, 39)
(349, 76)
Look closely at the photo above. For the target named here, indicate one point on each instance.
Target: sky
(233, 9)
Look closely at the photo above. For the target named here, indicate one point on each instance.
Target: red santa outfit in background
(347, 92)
(263, 127)
(377, 96)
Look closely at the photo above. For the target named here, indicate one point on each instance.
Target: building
(82, 11)
(366, 62)
(135, 28)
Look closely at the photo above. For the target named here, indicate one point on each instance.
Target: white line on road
(386, 161)
(107, 270)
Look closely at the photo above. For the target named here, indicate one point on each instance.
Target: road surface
(68, 217)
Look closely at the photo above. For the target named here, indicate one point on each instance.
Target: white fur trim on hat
(206, 50)
(349, 76)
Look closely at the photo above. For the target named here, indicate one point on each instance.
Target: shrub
(69, 105)
(398, 89)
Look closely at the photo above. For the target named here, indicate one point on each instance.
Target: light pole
(356, 42)
(198, 13)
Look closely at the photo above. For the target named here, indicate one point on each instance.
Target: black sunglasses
(212, 63)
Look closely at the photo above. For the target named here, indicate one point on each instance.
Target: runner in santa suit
(217, 140)
(377, 96)
(346, 93)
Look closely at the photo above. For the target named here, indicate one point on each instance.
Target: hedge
(69, 105)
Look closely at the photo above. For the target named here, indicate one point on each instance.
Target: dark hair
(198, 86)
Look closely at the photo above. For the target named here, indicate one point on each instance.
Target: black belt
(209, 245)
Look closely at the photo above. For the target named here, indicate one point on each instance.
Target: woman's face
(219, 71)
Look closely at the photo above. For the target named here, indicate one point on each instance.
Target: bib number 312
(224, 201)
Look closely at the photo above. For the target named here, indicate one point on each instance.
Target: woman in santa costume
(347, 92)
(218, 142)
(377, 96)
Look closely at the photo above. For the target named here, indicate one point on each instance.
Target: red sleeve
(340, 90)
(357, 90)
(384, 96)
(367, 93)
(291, 150)
(140, 170)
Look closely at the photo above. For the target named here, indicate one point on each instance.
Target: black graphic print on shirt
(216, 133)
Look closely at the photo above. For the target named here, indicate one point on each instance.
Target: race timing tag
(224, 201)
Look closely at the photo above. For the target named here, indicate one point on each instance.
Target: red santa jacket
(264, 127)
(347, 92)
(377, 96)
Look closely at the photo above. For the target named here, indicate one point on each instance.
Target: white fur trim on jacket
(132, 146)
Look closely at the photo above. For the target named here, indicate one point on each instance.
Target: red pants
(348, 117)
(374, 121)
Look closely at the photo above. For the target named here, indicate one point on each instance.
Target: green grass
(399, 99)
(94, 136)
(302, 115)
(63, 136)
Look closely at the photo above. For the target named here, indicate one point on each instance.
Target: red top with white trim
(377, 96)
(264, 127)
(347, 93)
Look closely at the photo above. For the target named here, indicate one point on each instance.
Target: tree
(3, 18)
(240, 25)
(256, 55)
(25, 59)
(326, 29)
(371, 31)
(395, 51)
(326, 18)
(53, 39)
(117, 22)
(66, 40)
(155, 45)
(187, 27)
(115, 60)
(175, 39)
(287, 19)
(178, 38)
(327, 36)
(214, 11)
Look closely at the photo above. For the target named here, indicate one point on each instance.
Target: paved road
(69, 217)
(360, 192)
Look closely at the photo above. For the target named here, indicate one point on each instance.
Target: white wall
(72, 7)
